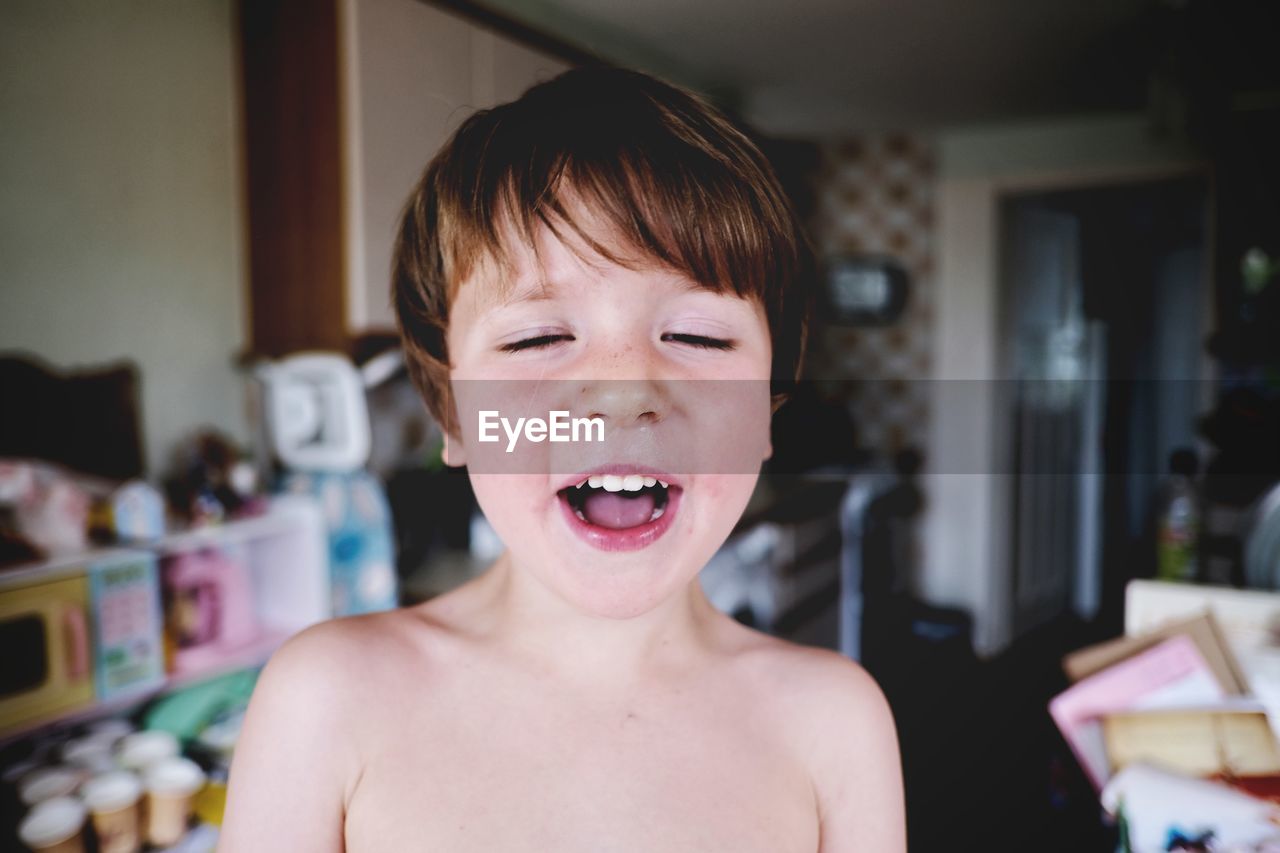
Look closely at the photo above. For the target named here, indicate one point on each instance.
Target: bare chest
(513, 773)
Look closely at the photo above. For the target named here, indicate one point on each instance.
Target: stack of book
(1176, 722)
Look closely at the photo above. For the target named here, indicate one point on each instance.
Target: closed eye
(700, 341)
(536, 342)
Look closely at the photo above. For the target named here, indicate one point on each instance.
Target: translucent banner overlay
(567, 427)
(1026, 427)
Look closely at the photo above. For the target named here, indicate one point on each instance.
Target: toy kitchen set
(131, 627)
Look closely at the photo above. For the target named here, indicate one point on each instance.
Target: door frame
(967, 560)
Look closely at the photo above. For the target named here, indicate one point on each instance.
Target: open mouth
(620, 510)
(618, 502)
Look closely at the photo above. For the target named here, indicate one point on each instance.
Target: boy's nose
(626, 382)
(623, 402)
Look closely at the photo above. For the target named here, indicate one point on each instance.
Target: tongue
(611, 509)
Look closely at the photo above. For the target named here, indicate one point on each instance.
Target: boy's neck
(586, 647)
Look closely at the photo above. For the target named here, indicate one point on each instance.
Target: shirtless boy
(615, 243)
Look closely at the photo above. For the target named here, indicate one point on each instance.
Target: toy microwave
(76, 634)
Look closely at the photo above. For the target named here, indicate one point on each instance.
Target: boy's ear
(454, 454)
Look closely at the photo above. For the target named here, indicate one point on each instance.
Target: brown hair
(669, 175)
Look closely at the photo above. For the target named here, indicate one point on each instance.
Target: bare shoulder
(817, 690)
(354, 665)
(805, 683)
(331, 653)
(836, 719)
(301, 750)
(351, 660)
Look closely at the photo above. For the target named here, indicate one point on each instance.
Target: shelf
(272, 523)
(282, 518)
(251, 655)
(285, 559)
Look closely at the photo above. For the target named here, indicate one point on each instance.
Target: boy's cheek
(510, 502)
(724, 494)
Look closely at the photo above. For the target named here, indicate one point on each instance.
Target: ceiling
(829, 67)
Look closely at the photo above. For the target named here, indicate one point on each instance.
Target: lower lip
(627, 538)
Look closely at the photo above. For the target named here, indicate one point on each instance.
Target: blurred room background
(1046, 365)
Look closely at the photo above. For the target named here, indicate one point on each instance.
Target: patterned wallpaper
(875, 195)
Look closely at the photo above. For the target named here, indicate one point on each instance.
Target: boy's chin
(621, 592)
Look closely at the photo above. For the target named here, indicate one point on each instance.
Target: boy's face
(678, 375)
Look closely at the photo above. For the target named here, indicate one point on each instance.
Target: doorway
(1104, 297)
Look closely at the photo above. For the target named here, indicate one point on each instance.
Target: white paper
(1156, 801)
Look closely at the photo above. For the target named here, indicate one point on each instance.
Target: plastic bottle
(1178, 530)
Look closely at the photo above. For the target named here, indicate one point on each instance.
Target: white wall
(413, 73)
(966, 563)
(120, 210)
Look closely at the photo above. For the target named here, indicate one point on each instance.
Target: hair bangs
(619, 166)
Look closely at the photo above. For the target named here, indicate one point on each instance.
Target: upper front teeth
(620, 483)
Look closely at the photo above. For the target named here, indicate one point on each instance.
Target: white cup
(46, 783)
(171, 786)
(54, 826)
(92, 752)
(111, 729)
(139, 750)
(115, 802)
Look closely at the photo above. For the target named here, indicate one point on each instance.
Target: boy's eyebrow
(545, 290)
(536, 291)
